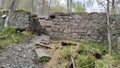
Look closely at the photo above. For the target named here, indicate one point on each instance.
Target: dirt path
(21, 56)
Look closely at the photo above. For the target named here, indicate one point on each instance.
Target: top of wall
(16, 10)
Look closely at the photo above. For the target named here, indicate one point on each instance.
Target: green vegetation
(108, 61)
(9, 36)
(65, 53)
(8, 31)
(84, 61)
(92, 47)
(43, 59)
(87, 55)
(23, 10)
(78, 7)
(16, 10)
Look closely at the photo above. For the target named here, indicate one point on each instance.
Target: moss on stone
(16, 10)
(23, 10)
(4, 11)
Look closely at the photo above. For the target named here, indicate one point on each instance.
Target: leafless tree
(49, 6)
(108, 26)
(11, 9)
(113, 7)
(43, 4)
(69, 5)
(68, 8)
(107, 8)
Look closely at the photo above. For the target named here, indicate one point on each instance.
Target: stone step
(41, 53)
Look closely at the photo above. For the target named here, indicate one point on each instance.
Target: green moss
(2, 11)
(23, 10)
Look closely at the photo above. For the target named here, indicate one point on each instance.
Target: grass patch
(86, 55)
(65, 53)
(92, 47)
(84, 61)
(9, 36)
(107, 62)
(44, 59)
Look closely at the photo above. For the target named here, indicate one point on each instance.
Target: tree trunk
(68, 8)
(108, 27)
(84, 6)
(43, 3)
(113, 7)
(11, 9)
(70, 5)
(1, 3)
(32, 4)
(49, 7)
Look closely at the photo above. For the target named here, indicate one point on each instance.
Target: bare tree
(108, 26)
(69, 5)
(68, 8)
(11, 9)
(32, 5)
(1, 3)
(49, 6)
(71, 1)
(43, 4)
(113, 7)
(107, 8)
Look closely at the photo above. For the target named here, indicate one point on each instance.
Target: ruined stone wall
(81, 26)
(22, 20)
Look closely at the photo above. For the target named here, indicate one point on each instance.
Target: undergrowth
(87, 55)
(9, 36)
(43, 59)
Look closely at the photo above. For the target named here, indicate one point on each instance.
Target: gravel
(21, 56)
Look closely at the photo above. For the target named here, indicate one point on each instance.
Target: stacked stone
(22, 20)
(82, 26)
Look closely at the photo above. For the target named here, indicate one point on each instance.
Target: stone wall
(81, 26)
(22, 20)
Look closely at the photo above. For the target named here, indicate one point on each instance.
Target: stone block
(42, 54)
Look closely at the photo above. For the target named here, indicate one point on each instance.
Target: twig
(73, 62)
(47, 46)
(14, 38)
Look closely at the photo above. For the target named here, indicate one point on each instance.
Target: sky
(94, 8)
